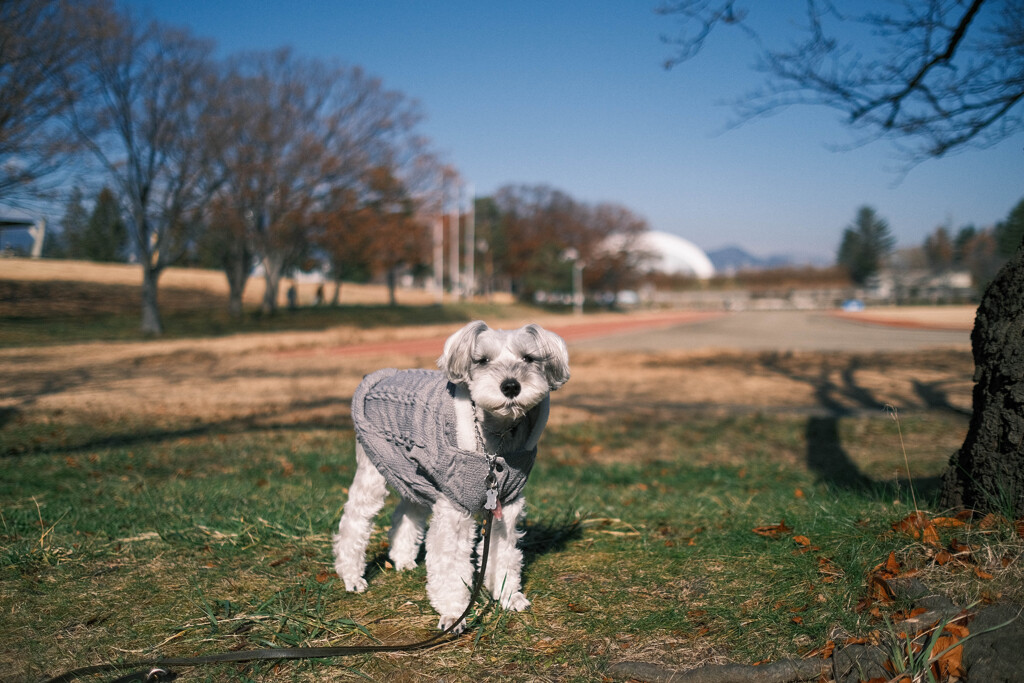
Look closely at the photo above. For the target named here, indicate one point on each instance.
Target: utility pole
(454, 244)
(439, 256)
(470, 277)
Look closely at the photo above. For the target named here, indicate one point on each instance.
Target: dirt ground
(290, 378)
(309, 377)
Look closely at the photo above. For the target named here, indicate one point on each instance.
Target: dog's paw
(357, 585)
(403, 565)
(445, 622)
(516, 602)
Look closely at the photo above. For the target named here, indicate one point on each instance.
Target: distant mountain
(731, 259)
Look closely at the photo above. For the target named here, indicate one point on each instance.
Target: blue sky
(573, 94)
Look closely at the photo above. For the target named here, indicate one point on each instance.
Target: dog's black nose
(510, 388)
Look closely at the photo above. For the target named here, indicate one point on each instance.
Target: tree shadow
(269, 419)
(825, 455)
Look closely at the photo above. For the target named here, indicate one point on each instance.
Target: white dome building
(673, 255)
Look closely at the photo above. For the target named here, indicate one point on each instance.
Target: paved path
(571, 330)
(778, 331)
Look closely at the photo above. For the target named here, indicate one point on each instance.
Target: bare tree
(938, 76)
(300, 130)
(933, 76)
(144, 108)
(40, 48)
(538, 224)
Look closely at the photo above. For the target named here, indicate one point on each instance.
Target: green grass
(639, 544)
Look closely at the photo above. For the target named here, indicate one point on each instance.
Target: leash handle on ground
(152, 671)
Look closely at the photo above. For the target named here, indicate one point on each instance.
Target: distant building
(673, 255)
(22, 236)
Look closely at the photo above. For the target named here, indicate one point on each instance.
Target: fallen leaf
(829, 571)
(959, 548)
(911, 524)
(798, 493)
(773, 530)
(918, 526)
(281, 560)
(982, 574)
(880, 590)
(799, 621)
(892, 566)
(947, 522)
(323, 576)
(991, 520)
(805, 545)
(949, 664)
(942, 557)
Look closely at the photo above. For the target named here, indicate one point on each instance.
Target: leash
(155, 670)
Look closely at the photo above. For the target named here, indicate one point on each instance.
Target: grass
(640, 545)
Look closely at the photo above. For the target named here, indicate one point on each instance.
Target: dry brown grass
(211, 282)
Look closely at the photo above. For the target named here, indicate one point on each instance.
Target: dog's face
(508, 372)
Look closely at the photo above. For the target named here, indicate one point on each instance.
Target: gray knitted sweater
(405, 421)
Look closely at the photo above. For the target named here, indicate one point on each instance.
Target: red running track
(570, 332)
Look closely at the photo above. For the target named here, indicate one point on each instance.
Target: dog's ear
(457, 358)
(556, 356)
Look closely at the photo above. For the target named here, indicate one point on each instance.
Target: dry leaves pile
(918, 650)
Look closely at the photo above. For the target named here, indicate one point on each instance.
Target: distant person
(293, 296)
(319, 298)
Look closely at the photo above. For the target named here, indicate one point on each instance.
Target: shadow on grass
(827, 458)
(89, 441)
(540, 538)
(838, 395)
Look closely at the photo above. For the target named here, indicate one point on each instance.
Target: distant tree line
(267, 158)
(867, 245)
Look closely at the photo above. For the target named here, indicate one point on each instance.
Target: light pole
(571, 254)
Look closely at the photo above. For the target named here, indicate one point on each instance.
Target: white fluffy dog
(451, 442)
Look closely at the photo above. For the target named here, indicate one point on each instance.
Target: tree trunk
(151, 324)
(236, 290)
(336, 299)
(392, 278)
(987, 473)
(272, 269)
(236, 262)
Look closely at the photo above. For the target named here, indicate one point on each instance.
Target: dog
(450, 442)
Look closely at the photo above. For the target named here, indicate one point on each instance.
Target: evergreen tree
(865, 246)
(106, 233)
(1010, 233)
(74, 225)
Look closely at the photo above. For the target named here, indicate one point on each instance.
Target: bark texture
(987, 473)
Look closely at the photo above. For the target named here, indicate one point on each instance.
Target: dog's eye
(482, 360)
(528, 358)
